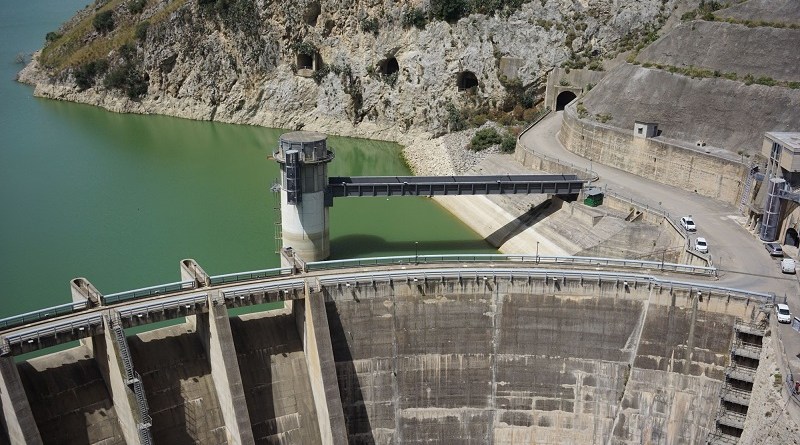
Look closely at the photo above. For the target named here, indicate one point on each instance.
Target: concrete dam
(458, 352)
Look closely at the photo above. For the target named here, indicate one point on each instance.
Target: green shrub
(794, 85)
(582, 111)
(454, 118)
(129, 79)
(136, 6)
(765, 80)
(369, 25)
(509, 143)
(104, 21)
(52, 36)
(748, 79)
(141, 30)
(484, 139)
(85, 74)
(449, 10)
(415, 17)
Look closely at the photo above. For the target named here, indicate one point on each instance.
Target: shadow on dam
(357, 419)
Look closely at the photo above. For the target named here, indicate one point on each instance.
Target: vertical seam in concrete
(637, 334)
(690, 340)
(495, 307)
(395, 391)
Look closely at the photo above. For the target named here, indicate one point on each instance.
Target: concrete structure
(564, 85)
(716, 175)
(304, 158)
(645, 129)
(454, 354)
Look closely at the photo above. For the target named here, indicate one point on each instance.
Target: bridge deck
(349, 186)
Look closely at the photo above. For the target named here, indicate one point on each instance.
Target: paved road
(740, 255)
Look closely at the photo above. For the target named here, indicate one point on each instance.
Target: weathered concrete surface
(214, 331)
(667, 161)
(551, 363)
(179, 388)
(712, 45)
(18, 423)
(69, 399)
(109, 362)
(275, 378)
(313, 321)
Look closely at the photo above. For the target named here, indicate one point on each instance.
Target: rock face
(245, 62)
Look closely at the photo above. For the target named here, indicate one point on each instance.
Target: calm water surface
(121, 199)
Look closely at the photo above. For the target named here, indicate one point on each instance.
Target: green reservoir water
(121, 199)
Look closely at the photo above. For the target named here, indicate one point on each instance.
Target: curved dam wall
(517, 362)
(561, 359)
(654, 159)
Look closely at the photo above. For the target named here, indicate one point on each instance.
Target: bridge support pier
(18, 420)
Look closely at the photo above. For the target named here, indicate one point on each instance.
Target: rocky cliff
(391, 70)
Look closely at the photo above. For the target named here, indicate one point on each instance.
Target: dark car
(774, 249)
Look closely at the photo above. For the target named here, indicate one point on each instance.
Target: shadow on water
(359, 429)
(354, 246)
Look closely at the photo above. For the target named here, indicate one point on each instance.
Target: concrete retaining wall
(654, 159)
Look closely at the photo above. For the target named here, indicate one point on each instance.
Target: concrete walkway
(740, 256)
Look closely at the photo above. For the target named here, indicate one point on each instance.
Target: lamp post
(537, 252)
(416, 252)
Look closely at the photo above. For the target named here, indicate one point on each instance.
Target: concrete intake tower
(304, 157)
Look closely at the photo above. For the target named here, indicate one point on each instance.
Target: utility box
(594, 197)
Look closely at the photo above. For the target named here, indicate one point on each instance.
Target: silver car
(774, 249)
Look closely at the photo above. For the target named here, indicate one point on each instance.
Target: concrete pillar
(214, 329)
(190, 270)
(313, 320)
(82, 290)
(107, 355)
(18, 419)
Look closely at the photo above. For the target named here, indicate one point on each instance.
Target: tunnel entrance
(388, 66)
(563, 99)
(311, 13)
(466, 80)
(791, 238)
(305, 61)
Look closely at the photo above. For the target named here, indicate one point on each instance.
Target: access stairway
(739, 378)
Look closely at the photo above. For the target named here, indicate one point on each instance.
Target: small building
(645, 129)
(593, 197)
(782, 149)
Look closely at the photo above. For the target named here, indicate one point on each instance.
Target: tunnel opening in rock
(791, 238)
(466, 80)
(388, 66)
(563, 99)
(305, 61)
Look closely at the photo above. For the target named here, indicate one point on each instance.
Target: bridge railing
(135, 294)
(42, 314)
(250, 275)
(525, 259)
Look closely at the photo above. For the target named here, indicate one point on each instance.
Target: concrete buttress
(312, 321)
(214, 329)
(17, 415)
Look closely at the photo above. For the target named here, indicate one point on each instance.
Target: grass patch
(70, 48)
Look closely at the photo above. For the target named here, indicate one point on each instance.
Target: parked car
(688, 224)
(788, 265)
(774, 249)
(784, 316)
(701, 245)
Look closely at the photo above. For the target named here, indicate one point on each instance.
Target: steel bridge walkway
(355, 186)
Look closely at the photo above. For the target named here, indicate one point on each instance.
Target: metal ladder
(748, 185)
(133, 380)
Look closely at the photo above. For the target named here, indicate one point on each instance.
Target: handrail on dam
(286, 287)
(250, 275)
(150, 291)
(510, 258)
(43, 314)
